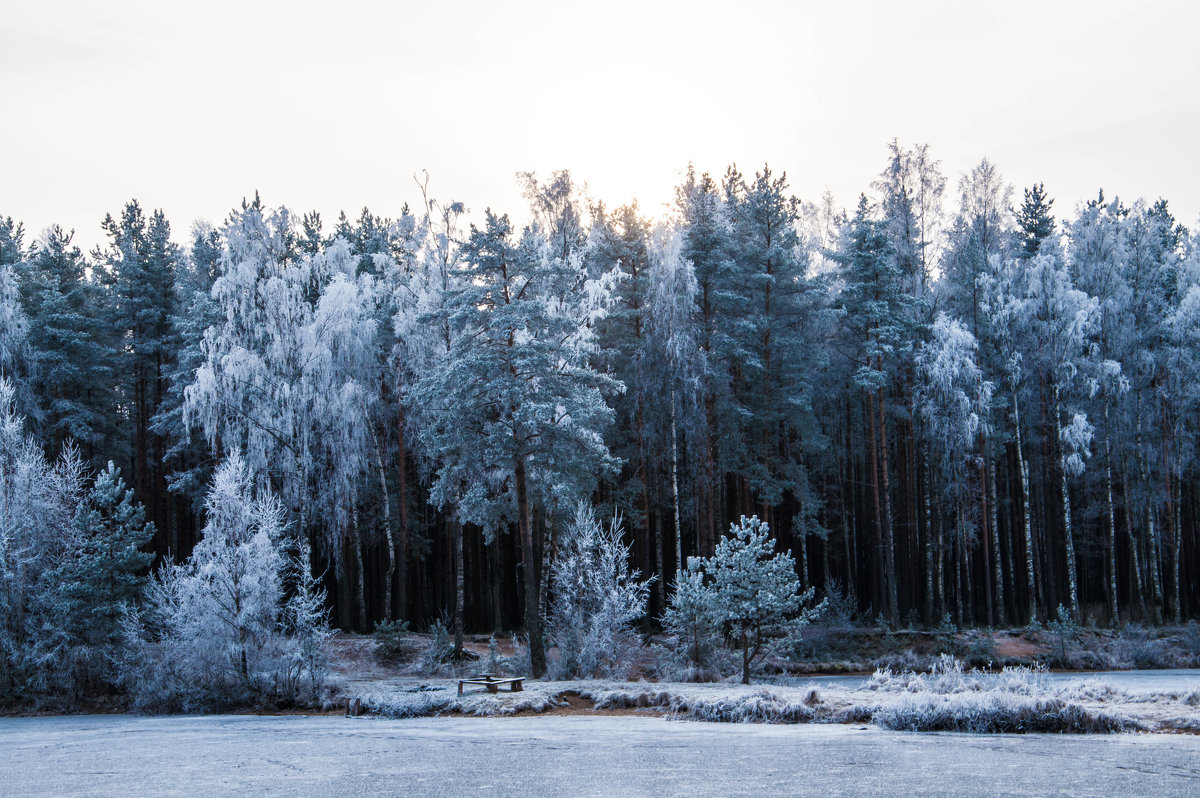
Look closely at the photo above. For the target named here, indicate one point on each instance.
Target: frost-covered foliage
(596, 596)
(218, 629)
(38, 534)
(98, 579)
(690, 620)
(746, 590)
(283, 372)
(950, 698)
(952, 396)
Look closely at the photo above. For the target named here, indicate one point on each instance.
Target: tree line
(951, 408)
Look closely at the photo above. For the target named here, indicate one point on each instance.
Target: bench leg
(516, 687)
(460, 686)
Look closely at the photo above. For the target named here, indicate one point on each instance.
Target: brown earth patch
(1013, 647)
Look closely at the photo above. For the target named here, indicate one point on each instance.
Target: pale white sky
(333, 106)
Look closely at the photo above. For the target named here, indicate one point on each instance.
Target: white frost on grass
(949, 698)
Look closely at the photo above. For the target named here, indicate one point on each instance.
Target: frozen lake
(567, 755)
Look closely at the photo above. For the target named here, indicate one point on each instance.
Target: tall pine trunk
(888, 531)
(533, 625)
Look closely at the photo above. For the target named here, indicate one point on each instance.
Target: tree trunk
(888, 532)
(675, 487)
(533, 626)
(1113, 606)
(456, 529)
(929, 549)
(1177, 535)
(1135, 564)
(999, 565)
(1023, 467)
(985, 518)
(876, 502)
(402, 500)
(360, 580)
(390, 574)
(1068, 536)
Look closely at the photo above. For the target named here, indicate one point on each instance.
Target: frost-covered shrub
(829, 634)
(951, 698)
(440, 648)
(306, 624)
(994, 712)
(596, 596)
(1063, 631)
(948, 675)
(217, 631)
(393, 639)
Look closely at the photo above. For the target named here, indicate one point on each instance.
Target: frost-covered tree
(74, 365)
(38, 502)
(596, 597)
(689, 617)
(673, 335)
(217, 629)
(953, 401)
(877, 331)
(1034, 219)
(514, 412)
(287, 374)
(97, 580)
(139, 269)
(753, 592)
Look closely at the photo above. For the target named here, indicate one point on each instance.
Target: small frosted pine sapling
(754, 593)
(689, 617)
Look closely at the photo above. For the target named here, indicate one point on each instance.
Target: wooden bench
(492, 682)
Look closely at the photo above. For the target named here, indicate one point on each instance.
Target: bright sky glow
(334, 106)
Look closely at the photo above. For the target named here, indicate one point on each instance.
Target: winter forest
(952, 401)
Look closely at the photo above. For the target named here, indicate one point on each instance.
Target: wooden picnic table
(492, 682)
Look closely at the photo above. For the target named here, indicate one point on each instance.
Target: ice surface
(575, 755)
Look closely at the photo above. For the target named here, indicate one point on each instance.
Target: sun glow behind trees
(337, 109)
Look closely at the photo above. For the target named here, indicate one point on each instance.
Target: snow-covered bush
(216, 630)
(395, 643)
(596, 596)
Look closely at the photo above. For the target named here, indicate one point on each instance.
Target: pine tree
(754, 593)
(100, 578)
(1034, 219)
(140, 268)
(74, 365)
(513, 413)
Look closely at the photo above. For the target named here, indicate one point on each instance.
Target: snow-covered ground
(574, 755)
(948, 699)
(1180, 680)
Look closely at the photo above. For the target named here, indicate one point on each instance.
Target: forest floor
(978, 681)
